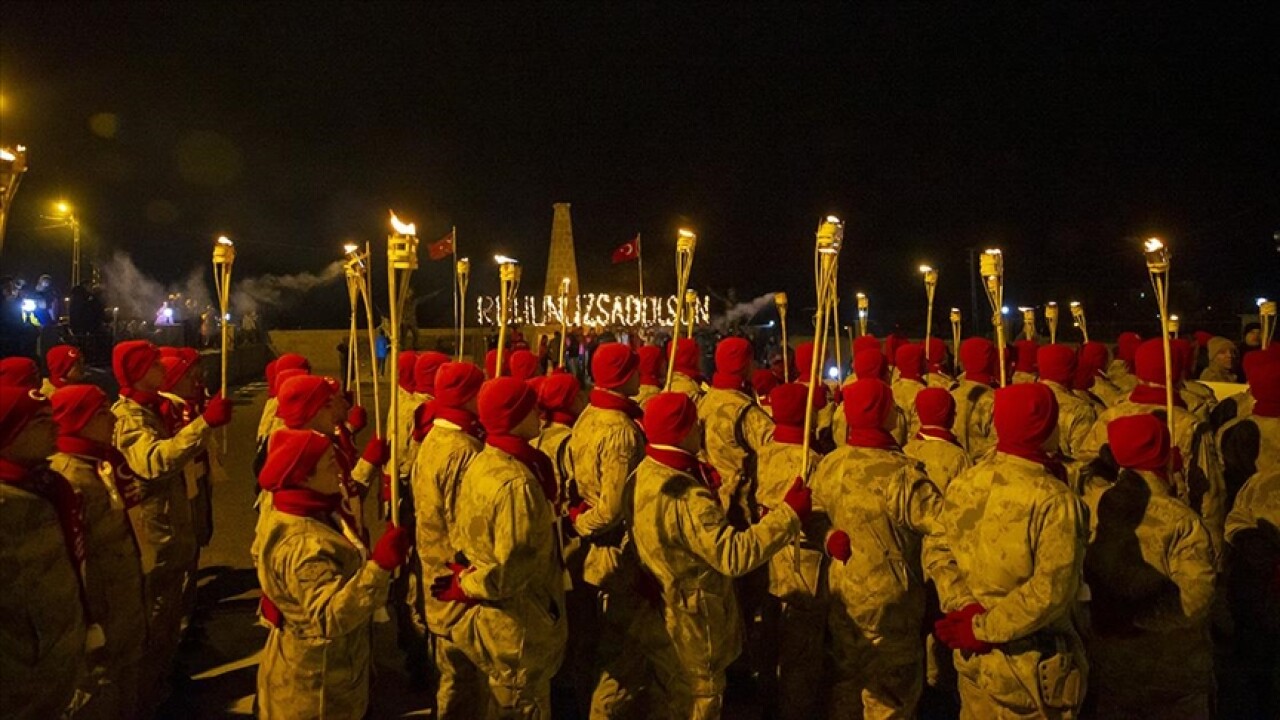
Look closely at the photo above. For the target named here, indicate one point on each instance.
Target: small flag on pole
(441, 248)
(628, 251)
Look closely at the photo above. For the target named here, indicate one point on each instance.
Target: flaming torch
(564, 317)
(780, 302)
(462, 276)
(930, 286)
(224, 257)
(1077, 316)
(992, 268)
(402, 260)
(686, 243)
(1028, 322)
(691, 305)
(1175, 324)
(864, 309)
(830, 237)
(359, 290)
(1157, 257)
(509, 280)
(955, 338)
(1051, 319)
(1267, 316)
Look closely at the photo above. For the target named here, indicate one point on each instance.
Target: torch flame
(1153, 244)
(1261, 301)
(504, 260)
(687, 233)
(926, 269)
(401, 227)
(7, 156)
(1075, 304)
(224, 240)
(350, 248)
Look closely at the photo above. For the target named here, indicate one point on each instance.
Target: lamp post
(462, 277)
(686, 243)
(402, 260)
(992, 269)
(864, 309)
(1077, 316)
(13, 163)
(780, 302)
(509, 280)
(66, 217)
(1157, 258)
(1051, 319)
(930, 285)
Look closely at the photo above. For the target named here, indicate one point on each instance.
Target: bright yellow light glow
(1075, 304)
(224, 240)
(401, 227)
(861, 296)
(7, 156)
(687, 233)
(926, 269)
(350, 248)
(1153, 244)
(833, 220)
(991, 251)
(504, 260)
(1174, 318)
(62, 207)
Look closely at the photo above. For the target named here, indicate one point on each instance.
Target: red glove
(357, 418)
(576, 510)
(384, 489)
(446, 588)
(392, 549)
(956, 630)
(376, 452)
(800, 498)
(839, 546)
(219, 411)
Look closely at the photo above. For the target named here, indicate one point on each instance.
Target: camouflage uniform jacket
(316, 664)
(888, 506)
(166, 537)
(1018, 534)
(682, 383)
(268, 418)
(1104, 392)
(1248, 445)
(791, 578)
(904, 396)
(1201, 484)
(1257, 502)
(113, 568)
(975, 409)
(942, 460)
(1199, 398)
(442, 460)
(506, 529)
(1119, 375)
(735, 430)
(554, 443)
(645, 393)
(604, 450)
(683, 538)
(409, 402)
(1075, 419)
(1153, 604)
(42, 636)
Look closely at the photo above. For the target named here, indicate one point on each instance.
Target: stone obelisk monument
(561, 261)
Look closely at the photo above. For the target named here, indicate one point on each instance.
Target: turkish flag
(441, 248)
(628, 251)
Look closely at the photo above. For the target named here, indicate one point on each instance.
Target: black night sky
(1063, 134)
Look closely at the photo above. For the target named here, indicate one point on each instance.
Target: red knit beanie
(504, 403)
(75, 405)
(668, 418)
(612, 365)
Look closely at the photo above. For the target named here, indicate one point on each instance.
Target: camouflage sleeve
(707, 533)
(1191, 568)
(982, 433)
(1207, 486)
(757, 428)
(364, 472)
(1078, 428)
(922, 512)
(1093, 440)
(337, 605)
(518, 518)
(1057, 527)
(619, 454)
(151, 457)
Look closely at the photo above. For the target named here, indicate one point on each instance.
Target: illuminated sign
(596, 309)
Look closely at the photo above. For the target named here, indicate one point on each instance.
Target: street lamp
(66, 217)
(13, 163)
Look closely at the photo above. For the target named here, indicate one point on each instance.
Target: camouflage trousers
(460, 685)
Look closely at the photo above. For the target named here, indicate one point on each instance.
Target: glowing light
(227, 317)
(687, 233)
(28, 306)
(350, 248)
(1075, 304)
(167, 313)
(594, 310)
(224, 240)
(926, 269)
(7, 156)
(402, 228)
(1261, 301)
(1004, 310)
(504, 260)
(834, 220)
(1153, 245)
(833, 373)
(62, 207)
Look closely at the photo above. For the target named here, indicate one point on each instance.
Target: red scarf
(874, 438)
(560, 416)
(940, 433)
(148, 400)
(534, 459)
(68, 505)
(729, 381)
(684, 462)
(126, 480)
(305, 502)
(427, 413)
(1145, 394)
(1051, 463)
(606, 400)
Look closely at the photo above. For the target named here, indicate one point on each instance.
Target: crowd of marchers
(1041, 547)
